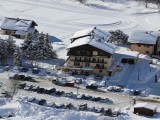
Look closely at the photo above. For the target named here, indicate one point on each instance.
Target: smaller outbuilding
(145, 109)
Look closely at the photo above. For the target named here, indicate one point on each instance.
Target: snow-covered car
(59, 105)
(96, 99)
(92, 109)
(99, 110)
(22, 85)
(31, 99)
(50, 90)
(78, 80)
(110, 88)
(6, 68)
(50, 104)
(104, 100)
(102, 84)
(16, 69)
(80, 96)
(92, 86)
(35, 70)
(35, 88)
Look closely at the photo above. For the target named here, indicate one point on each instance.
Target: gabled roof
(17, 24)
(94, 32)
(98, 43)
(144, 37)
(146, 105)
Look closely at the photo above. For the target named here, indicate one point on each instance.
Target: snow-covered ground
(61, 18)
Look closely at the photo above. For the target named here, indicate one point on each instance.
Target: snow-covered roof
(19, 25)
(144, 37)
(94, 32)
(146, 105)
(100, 44)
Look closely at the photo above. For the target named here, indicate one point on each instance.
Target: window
(139, 45)
(100, 71)
(94, 59)
(88, 53)
(148, 46)
(147, 52)
(87, 64)
(76, 63)
(78, 52)
(101, 53)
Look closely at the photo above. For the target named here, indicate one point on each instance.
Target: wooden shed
(145, 109)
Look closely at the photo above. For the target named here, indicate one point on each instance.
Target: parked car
(16, 69)
(96, 99)
(27, 87)
(92, 109)
(35, 88)
(59, 105)
(42, 102)
(104, 100)
(80, 96)
(30, 88)
(31, 99)
(23, 69)
(137, 92)
(99, 110)
(50, 104)
(69, 105)
(68, 94)
(41, 90)
(6, 68)
(92, 87)
(116, 112)
(117, 89)
(87, 97)
(68, 84)
(110, 88)
(99, 77)
(102, 84)
(108, 112)
(60, 92)
(22, 85)
(50, 90)
(55, 79)
(78, 81)
(83, 106)
(35, 70)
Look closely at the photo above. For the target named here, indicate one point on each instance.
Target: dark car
(108, 112)
(96, 99)
(42, 102)
(41, 90)
(23, 69)
(35, 88)
(92, 87)
(60, 92)
(99, 110)
(27, 78)
(87, 97)
(35, 70)
(137, 92)
(83, 106)
(22, 85)
(6, 68)
(30, 87)
(99, 77)
(50, 91)
(69, 106)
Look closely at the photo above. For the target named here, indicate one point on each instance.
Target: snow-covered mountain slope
(61, 18)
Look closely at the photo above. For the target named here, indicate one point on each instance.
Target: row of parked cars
(22, 69)
(53, 91)
(7, 116)
(81, 107)
(91, 98)
(22, 77)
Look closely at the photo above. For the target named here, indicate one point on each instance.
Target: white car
(102, 84)
(110, 88)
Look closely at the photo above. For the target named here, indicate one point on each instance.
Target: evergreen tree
(38, 48)
(3, 51)
(17, 56)
(10, 45)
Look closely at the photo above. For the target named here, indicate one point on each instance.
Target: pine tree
(39, 48)
(10, 45)
(3, 51)
(17, 56)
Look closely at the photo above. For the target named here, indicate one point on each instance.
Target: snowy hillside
(61, 18)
